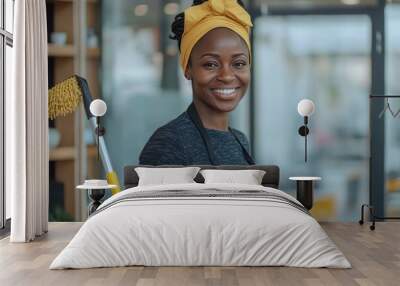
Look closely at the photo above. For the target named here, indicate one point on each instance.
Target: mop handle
(112, 177)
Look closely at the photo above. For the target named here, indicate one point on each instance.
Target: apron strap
(194, 116)
(248, 157)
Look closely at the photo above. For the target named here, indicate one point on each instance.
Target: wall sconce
(305, 108)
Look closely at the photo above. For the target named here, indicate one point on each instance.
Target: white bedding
(183, 231)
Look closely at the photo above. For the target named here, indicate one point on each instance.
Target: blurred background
(334, 52)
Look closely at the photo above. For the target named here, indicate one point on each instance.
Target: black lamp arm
(100, 131)
(303, 131)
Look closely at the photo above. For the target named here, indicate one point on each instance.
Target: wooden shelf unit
(69, 153)
(64, 61)
(69, 51)
(61, 51)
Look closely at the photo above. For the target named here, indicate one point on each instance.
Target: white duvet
(200, 231)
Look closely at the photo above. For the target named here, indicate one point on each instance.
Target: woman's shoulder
(168, 130)
(173, 128)
(242, 137)
(164, 145)
(182, 121)
(239, 134)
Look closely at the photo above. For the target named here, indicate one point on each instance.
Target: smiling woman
(213, 39)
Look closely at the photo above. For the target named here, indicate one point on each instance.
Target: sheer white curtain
(27, 124)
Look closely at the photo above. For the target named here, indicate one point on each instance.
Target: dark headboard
(270, 179)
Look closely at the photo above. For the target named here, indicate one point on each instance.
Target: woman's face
(219, 69)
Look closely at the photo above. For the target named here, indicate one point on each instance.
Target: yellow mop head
(64, 97)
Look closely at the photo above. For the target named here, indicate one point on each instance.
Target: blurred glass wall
(392, 123)
(141, 80)
(325, 59)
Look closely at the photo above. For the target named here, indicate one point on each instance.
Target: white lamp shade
(305, 107)
(98, 107)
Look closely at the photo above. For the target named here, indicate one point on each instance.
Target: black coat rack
(371, 207)
(387, 105)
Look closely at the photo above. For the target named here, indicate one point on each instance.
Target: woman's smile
(225, 93)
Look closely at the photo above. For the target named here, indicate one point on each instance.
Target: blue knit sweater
(179, 143)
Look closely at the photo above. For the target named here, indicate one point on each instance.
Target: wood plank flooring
(374, 255)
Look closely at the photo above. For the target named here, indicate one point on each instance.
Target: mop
(64, 98)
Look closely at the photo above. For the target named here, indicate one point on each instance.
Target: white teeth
(225, 91)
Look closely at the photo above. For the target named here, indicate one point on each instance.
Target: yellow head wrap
(209, 15)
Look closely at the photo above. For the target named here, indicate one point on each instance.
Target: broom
(64, 98)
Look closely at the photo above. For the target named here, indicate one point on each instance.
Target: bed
(199, 224)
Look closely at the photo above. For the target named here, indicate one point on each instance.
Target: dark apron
(194, 116)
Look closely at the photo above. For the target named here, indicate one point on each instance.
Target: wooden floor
(374, 255)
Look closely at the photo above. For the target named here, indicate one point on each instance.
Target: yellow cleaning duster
(64, 98)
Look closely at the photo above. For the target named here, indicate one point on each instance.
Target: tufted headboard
(270, 179)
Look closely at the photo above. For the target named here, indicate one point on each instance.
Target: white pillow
(248, 177)
(162, 176)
